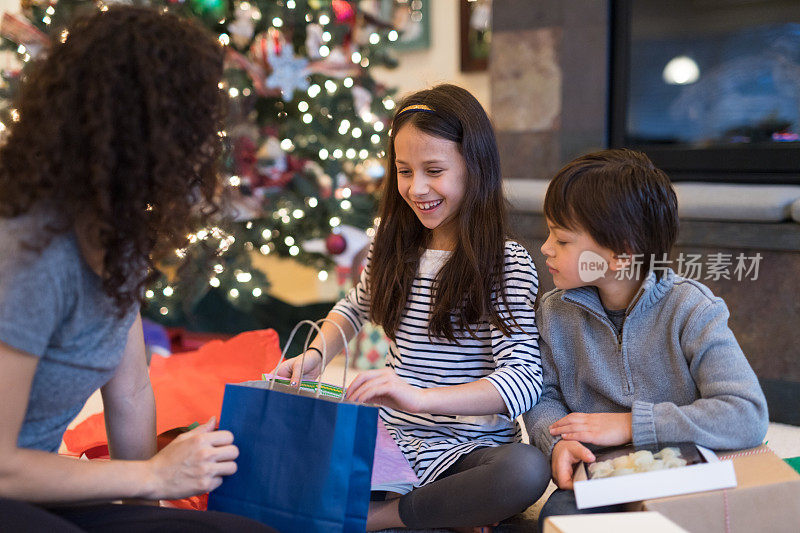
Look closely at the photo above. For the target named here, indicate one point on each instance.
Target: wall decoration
(476, 34)
(409, 18)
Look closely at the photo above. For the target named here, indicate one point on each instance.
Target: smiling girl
(456, 299)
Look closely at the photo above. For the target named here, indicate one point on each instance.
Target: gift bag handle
(346, 355)
(313, 326)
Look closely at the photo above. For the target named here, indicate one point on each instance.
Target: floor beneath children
(783, 439)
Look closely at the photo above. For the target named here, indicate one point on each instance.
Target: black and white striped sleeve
(518, 373)
(355, 305)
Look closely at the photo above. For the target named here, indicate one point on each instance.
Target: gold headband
(416, 107)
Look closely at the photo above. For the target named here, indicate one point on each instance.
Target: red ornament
(335, 244)
(344, 11)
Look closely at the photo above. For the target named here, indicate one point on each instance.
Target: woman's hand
(384, 387)
(603, 429)
(567, 453)
(193, 463)
(290, 368)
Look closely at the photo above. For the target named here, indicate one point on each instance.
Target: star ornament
(289, 73)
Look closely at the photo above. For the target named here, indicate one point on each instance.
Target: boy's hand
(603, 429)
(384, 387)
(566, 453)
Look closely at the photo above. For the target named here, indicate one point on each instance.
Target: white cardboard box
(710, 475)
(649, 521)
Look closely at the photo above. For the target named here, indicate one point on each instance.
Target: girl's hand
(603, 429)
(290, 368)
(384, 387)
(193, 463)
(567, 453)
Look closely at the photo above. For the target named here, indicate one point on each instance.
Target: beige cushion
(525, 194)
(699, 201)
(735, 202)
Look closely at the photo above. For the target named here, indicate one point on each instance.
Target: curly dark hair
(119, 125)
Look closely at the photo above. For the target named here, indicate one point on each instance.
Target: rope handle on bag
(313, 326)
(346, 355)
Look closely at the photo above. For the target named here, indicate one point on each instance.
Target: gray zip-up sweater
(676, 366)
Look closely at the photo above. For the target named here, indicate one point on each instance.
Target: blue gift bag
(305, 461)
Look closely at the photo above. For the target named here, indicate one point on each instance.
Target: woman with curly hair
(117, 138)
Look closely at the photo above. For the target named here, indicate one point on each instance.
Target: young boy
(646, 358)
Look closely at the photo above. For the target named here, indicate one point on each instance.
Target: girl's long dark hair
(473, 274)
(118, 125)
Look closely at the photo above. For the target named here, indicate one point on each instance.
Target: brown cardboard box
(766, 498)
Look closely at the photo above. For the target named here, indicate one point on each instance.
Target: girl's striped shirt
(432, 443)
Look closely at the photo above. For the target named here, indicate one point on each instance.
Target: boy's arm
(731, 412)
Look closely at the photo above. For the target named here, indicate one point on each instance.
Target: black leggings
(21, 517)
(483, 487)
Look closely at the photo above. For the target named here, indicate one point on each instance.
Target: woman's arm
(129, 404)
(39, 476)
(192, 464)
(130, 409)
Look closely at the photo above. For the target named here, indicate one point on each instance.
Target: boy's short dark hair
(620, 199)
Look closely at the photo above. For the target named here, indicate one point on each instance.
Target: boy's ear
(621, 261)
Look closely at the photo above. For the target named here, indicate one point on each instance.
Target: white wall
(439, 63)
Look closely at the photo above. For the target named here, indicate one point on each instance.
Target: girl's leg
(118, 518)
(485, 486)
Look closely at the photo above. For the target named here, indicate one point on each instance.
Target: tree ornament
(289, 73)
(344, 12)
(209, 8)
(260, 49)
(353, 240)
(19, 30)
(242, 28)
(314, 40)
(362, 102)
(337, 65)
(335, 244)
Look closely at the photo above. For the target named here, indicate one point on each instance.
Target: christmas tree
(304, 137)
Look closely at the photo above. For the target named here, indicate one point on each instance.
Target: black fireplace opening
(709, 89)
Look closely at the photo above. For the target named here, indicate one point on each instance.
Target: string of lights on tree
(304, 138)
